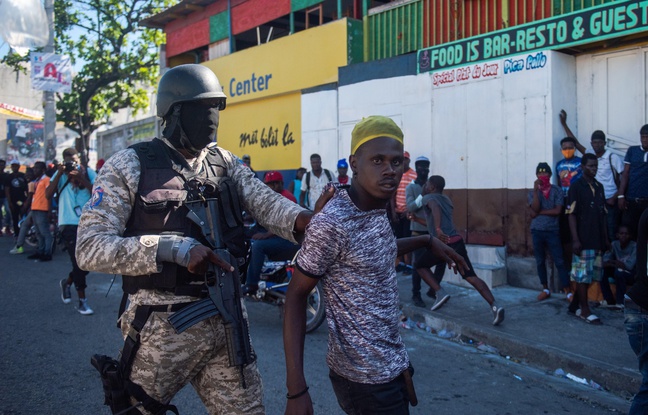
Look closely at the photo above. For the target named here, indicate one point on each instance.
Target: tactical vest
(165, 192)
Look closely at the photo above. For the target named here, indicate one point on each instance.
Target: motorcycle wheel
(31, 239)
(315, 312)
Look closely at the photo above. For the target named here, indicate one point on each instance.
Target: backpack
(615, 174)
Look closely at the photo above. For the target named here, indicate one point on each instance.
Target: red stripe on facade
(254, 13)
(188, 38)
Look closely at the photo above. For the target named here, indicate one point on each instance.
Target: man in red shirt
(266, 243)
(398, 211)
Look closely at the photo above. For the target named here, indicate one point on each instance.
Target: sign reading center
(248, 86)
(595, 23)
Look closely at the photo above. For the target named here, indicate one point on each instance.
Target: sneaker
(498, 315)
(65, 291)
(45, 258)
(418, 301)
(34, 256)
(83, 307)
(17, 250)
(441, 299)
(544, 294)
(431, 293)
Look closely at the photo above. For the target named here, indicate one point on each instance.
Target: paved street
(46, 348)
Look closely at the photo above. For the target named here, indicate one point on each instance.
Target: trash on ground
(486, 348)
(577, 379)
(559, 372)
(517, 377)
(446, 334)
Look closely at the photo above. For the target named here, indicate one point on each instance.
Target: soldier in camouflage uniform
(189, 100)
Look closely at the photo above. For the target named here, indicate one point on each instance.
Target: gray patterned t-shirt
(353, 252)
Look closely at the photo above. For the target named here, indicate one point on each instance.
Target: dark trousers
(416, 277)
(636, 325)
(69, 236)
(621, 279)
(635, 208)
(364, 399)
(613, 217)
(549, 241)
(15, 217)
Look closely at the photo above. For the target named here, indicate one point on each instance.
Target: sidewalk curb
(621, 381)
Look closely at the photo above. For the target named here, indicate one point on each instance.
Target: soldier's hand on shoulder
(201, 256)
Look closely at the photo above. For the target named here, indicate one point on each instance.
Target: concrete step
(489, 263)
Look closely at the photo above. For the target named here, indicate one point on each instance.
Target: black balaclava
(192, 126)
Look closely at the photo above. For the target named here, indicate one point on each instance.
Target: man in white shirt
(610, 167)
(313, 182)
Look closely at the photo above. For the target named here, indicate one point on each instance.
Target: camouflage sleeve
(100, 245)
(275, 212)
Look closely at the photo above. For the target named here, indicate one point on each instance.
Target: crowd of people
(48, 200)
(135, 219)
(588, 221)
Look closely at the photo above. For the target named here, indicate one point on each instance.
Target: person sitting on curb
(588, 226)
(438, 210)
(621, 259)
(546, 204)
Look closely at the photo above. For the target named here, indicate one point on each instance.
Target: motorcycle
(273, 285)
(275, 277)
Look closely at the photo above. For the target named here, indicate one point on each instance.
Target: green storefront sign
(577, 28)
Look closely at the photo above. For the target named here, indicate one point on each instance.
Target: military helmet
(185, 83)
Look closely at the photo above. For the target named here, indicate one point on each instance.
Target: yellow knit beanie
(373, 127)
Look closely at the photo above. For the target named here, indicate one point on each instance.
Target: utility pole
(48, 96)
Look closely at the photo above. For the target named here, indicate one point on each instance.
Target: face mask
(569, 153)
(192, 127)
(199, 124)
(545, 187)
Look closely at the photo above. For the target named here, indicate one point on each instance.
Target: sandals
(591, 319)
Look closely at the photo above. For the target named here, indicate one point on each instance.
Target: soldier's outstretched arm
(101, 246)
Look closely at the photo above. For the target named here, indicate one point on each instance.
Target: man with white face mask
(138, 224)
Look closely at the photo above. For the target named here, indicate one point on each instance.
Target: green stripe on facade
(296, 5)
(218, 27)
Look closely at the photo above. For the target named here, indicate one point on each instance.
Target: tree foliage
(117, 59)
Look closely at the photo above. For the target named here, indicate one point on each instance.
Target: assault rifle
(224, 291)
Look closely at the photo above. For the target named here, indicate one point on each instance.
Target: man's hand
(326, 195)
(300, 406)
(450, 256)
(536, 185)
(622, 204)
(201, 256)
(563, 117)
(577, 247)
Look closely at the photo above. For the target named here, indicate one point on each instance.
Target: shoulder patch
(97, 197)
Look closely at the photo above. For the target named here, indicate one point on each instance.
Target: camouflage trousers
(166, 361)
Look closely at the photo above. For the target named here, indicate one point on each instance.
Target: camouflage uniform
(167, 361)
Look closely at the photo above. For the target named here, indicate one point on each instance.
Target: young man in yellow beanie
(351, 248)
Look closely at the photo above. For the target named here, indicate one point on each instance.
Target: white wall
(478, 133)
(320, 128)
(490, 133)
(612, 96)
